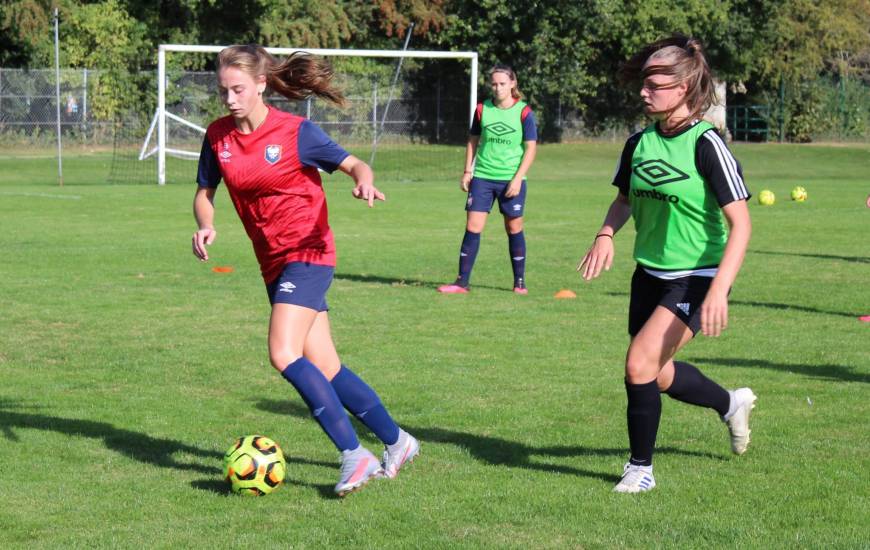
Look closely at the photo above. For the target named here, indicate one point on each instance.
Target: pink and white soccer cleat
(402, 451)
(358, 467)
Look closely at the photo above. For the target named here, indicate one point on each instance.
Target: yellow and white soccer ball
(766, 198)
(799, 194)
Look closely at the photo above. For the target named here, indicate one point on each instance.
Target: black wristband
(604, 235)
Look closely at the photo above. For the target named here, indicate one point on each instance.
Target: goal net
(407, 113)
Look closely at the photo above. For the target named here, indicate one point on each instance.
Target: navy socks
(362, 401)
(517, 249)
(323, 402)
(690, 386)
(467, 256)
(643, 413)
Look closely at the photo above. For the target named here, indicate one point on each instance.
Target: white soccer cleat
(635, 479)
(358, 467)
(402, 451)
(738, 423)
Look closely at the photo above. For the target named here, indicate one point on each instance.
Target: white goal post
(162, 114)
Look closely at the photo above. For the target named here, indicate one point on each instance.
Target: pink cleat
(453, 289)
(521, 290)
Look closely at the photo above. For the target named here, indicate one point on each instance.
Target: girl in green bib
(501, 148)
(677, 179)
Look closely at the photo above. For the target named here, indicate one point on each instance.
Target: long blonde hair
(297, 77)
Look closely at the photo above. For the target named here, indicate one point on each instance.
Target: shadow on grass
(144, 448)
(823, 372)
(135, 445)
(500, 452)
(777, 306)
(221, 487)
(390, 281)
(855, 259)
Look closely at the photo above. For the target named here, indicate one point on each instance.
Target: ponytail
(297, 77)
(302, 75)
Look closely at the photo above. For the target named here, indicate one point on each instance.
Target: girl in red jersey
(269, 161)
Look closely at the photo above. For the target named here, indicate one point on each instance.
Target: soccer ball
(766, 198)
(799, 194)
(254, 465)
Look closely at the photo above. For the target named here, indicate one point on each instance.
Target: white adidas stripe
(729, 166)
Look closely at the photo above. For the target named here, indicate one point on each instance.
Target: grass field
(128, 369)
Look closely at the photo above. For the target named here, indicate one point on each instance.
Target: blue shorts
(483, 192)
(302, 284)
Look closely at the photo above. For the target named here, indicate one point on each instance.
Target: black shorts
(682, 296)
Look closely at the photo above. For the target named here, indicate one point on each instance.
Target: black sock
(690, 386)
(644, 412)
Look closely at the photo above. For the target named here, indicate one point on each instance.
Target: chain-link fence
(28, 108)
(410, 128)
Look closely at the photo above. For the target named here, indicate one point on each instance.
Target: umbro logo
(225, 154)
(498, 129)
(518, 207)
(684, 307)
(658, 172)
(287, 287)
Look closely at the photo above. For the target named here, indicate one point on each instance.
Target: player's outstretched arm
(714, 310)
(363, 178)
(203, 211)
(600, 254)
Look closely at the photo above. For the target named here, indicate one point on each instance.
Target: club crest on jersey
(273, 153)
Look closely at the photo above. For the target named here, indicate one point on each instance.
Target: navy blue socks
(517, 249)
(362, 401)
(323, 402)
(644, 412)
(690, 386)
(467, 255)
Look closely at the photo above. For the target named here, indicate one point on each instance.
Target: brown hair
(297, 77)
(500, 68)
(681, 57)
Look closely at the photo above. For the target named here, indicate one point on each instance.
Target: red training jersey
(279, 200)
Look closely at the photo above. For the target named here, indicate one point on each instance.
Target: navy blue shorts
(683, 297)
(302, 284)
(482, 193)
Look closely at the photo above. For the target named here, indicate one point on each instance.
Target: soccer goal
(408, 111)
